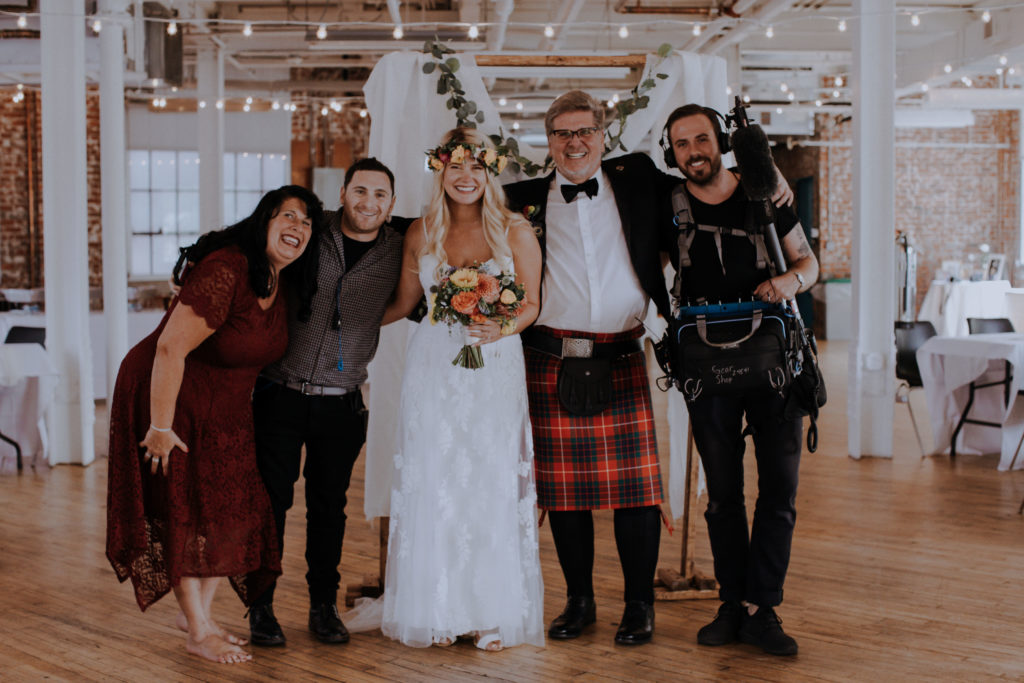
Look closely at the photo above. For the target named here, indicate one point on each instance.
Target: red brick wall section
(14, 192)
(952, 193)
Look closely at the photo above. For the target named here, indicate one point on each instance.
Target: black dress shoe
(577, 615)
(725, 628)
(325, 623)
(637, 625)
(263, 626)
(764, 629)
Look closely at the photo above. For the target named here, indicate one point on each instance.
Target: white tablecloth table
(948, 365)
(948, 305)
(28, 381)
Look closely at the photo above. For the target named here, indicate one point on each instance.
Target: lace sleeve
(209, 287)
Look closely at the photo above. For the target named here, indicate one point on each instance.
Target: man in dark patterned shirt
(312, 397)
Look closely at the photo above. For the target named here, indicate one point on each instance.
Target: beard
(707, 173)
(360, 225)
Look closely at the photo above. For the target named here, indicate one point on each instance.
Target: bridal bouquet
(475, 294)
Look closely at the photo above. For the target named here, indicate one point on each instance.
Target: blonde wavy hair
(497, 219)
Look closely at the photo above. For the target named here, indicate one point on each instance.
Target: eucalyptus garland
(468, 115)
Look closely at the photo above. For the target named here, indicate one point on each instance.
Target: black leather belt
(307, 389)
(574, 347)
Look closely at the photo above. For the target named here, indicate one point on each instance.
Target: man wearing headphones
(721, 265)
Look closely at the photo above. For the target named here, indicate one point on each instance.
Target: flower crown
(494, 160)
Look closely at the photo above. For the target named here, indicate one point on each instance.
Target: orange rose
(508, 297)
(478, 317)
(465, 302)
(488, 288)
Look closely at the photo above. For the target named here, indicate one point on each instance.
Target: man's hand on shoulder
(783, 193)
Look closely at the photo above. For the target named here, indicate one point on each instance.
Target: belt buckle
(577, 348)
(314, 389)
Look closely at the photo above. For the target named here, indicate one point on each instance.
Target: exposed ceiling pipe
(496, 34)
(394, 9)
(567, 13)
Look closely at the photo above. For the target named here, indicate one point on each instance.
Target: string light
(924, 87)
(473, 32)
(999, 71)
(746, 99)
(519, 106)
(769, 32)
(246, 107)
(697, 29)
(915, 20)
(615, 98)
(623, 31)
(323, 111)
(1003, 60)
(791, 96)
(275, 105)
(783, 87)
(839, 81)
(817, 103)
(1011, 71)
(948, 68)
(986, 16)
(247, 29)
(728, 90)
(842, 25)
(515, 125)
(549, 31)
(778, 110)
(966, 81)
(835, 93)
(172, 28)
(610, 104)
(398, 33)
(248, 100)
(321, 31)
(97, 25)
(202, 104)
(363, 113)
(502, 101)
(220, 104)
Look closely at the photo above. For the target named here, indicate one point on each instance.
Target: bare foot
(488, 640)
(181, 621)
(217, 649)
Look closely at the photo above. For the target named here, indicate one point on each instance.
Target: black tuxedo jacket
(642, 196)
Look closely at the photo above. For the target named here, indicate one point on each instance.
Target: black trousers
(333, 429)
(753, 567)
(637, 535)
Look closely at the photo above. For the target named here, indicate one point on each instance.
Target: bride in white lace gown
(462, 557)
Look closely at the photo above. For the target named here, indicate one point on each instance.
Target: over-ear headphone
(717, 122)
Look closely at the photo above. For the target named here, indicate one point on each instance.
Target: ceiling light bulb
(697, 29)
(323, 111)
(549, 31)
(915, 20)
(835, 93)
(275, 105)
(321, 31)
(398, 33)
(247, 29)
(769, 32)
(746, 99)
(363, 113)
(948, 68)
(515, 125)
(842, 25)
(519, 106)
(155, 102)
(615, 98)
(202, 104)
(728, 90)
(502, 101)
(999, 71)
(967, 81)
(791, 96)
(21, 86)
(1011, 71)
(1003, 60)
(248, 100)
(611, 105)
(986, 16)
(783, 87)
(817, 103)
(473, 32)
(778, 110)
(839, 81)
(924, 87)
(97, 25)
(220, 104)
(246, 107)
(22, 21)
(172, 28)
(623, 31)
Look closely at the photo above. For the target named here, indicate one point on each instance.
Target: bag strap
(702, 331)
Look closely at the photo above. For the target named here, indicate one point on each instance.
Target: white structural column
(872, 382)
(65, 229)
(210, 86)
(112, 173)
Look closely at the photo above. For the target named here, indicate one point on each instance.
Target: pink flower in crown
(444, 157)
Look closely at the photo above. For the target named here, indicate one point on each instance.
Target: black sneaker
(725, 628)
(263, 626)
(764, 629)
(325, 623)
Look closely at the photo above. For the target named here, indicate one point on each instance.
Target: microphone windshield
(754, 159)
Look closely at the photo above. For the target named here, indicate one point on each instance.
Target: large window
(164, 210)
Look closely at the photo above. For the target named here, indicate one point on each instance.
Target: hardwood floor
(902, 569)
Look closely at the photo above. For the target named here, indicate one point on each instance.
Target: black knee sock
(573, 532)
(637, 535)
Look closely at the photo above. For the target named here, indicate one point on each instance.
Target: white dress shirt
(589, 283)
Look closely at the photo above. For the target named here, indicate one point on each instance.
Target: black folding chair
(22, 335)
(909, 338)
(984, 326)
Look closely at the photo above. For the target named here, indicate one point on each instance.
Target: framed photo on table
(994, 267)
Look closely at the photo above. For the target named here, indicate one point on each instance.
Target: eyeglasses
(566, 135)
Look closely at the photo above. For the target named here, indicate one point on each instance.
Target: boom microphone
(754, 159)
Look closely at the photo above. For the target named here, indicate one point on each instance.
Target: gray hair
(574, 100)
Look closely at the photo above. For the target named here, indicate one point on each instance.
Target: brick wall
(955, 188)
(16, 214)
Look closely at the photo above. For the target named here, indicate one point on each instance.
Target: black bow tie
(570, 191)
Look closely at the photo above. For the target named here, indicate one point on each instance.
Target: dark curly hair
(250, 236)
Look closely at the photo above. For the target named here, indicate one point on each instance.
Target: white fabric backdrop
(408, 117)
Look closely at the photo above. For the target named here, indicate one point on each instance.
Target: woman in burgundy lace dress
(185, 502)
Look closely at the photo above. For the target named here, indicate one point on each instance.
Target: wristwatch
(799, 278)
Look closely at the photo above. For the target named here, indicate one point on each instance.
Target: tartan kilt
(608, 460)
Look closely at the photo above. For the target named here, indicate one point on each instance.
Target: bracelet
(157, 429)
